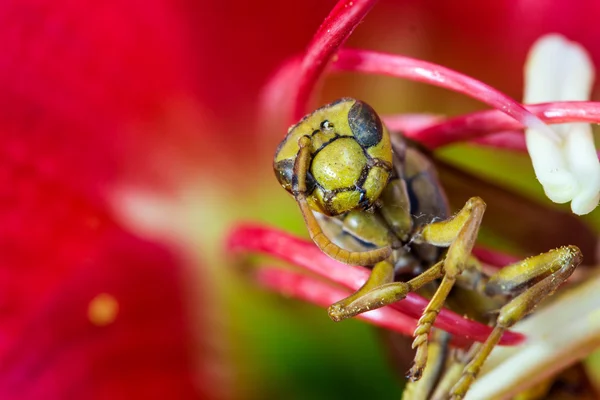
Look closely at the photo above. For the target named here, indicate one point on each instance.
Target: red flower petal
(70, 88)
(75, 78)
(143, 349)
(92, 62)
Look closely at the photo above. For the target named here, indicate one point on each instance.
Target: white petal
(560, 70)
(550, 167)
(557, 69)
(583, 162)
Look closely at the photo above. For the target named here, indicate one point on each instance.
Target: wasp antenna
(301, 164)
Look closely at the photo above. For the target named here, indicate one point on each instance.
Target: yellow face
(351, 156)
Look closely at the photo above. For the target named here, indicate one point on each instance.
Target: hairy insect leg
(459, 233)
(379, 291)
(531, 280)
(301, 166)
(454, 367)
(473, 277)
(438, 354)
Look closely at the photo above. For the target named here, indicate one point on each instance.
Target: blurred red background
(129, 145)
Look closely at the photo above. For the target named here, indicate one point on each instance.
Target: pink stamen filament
(494, 258)
(333, 32)
(479, 124)
(411, 122)
(371, 62)
(509, 140)
(323, 294)
(251, 238)
(433, 132)
(275, 99)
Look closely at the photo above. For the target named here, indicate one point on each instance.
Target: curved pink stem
(306, 255)
(509, 140)
(493, 257)
(323, 294)
(296, 251)
(411, 122)
(332, 33)
(275, 102)
(372, 62)
(479, 124)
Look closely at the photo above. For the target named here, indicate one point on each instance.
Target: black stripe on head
(365, 124)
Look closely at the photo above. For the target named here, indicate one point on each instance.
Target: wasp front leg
(459, 233)
(379, 291)
(299, 189)
(531, 281)
(439, 352)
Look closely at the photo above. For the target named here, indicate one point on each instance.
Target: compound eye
(365, 124)
(326, 126)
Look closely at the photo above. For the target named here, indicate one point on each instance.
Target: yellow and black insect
(369, 199)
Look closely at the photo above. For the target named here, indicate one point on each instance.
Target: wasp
(371, 199)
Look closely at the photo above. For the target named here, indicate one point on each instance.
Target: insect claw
(336, 312)
(414, 374)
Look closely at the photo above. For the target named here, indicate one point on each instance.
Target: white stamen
(560, 70)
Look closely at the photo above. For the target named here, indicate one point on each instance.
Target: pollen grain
(103, 309)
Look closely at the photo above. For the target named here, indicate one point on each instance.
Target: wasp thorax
(351, 157)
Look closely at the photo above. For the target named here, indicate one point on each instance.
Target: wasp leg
(379, 291)
(301, 166)
(459, 233)
(531, 280)
(458, 359)
(472, 277)
(438, 352)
